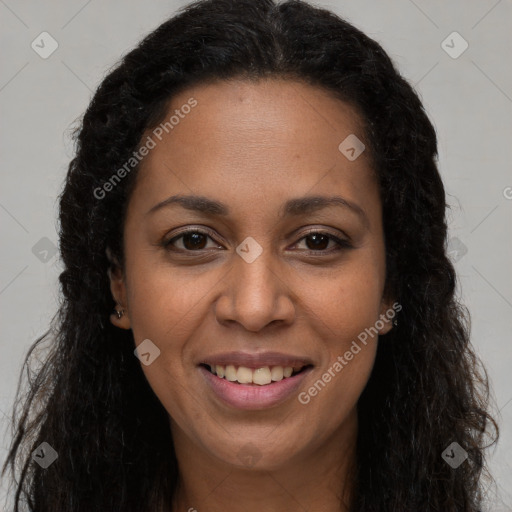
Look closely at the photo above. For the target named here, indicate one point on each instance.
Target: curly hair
(89, 398)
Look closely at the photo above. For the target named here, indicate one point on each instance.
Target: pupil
(196, 240)
(316, 238)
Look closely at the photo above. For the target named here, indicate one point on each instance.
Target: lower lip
(242, 396)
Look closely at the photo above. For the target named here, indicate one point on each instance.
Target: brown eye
(318, 241)
(192, 240)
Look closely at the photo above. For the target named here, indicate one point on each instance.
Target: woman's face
(253, 289)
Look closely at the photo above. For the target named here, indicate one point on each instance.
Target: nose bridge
(255, 295)
(255, 278)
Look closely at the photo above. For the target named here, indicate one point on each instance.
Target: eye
(195, 240)
(191, 240)
(318, 241)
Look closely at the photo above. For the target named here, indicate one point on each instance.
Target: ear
(118, 290)
(389, 309)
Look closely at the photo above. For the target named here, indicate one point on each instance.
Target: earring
(119, 313)
(395, 322)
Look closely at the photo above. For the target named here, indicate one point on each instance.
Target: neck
(319, 479)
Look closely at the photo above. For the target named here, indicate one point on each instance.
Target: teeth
(277, 373)
(244, 375)
(229, 373)
(219, 370)
(260, 376)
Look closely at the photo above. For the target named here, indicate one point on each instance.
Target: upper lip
(257, 360)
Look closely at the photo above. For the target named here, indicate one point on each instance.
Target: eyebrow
(292, 207)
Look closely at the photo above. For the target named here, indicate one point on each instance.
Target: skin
(252, 146)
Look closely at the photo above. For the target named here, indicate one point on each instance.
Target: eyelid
(342, 242)
(202, 230)
(324, 231)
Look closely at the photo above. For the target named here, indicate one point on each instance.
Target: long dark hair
(90, 400)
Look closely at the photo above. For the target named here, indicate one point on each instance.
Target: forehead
(254, 141)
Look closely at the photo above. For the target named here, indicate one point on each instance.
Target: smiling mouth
(258, 376)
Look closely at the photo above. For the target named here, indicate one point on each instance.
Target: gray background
(469, 99)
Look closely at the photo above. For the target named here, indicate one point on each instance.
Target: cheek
(346, 310)
(348, 300)
(344, 327)
(164, 302)
(332, 398)
(334, 306)
(166, 307)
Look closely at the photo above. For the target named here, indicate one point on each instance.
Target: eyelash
(342, 244)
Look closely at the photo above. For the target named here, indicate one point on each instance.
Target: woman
(258, 309)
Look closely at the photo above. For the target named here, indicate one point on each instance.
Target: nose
(255, 295)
